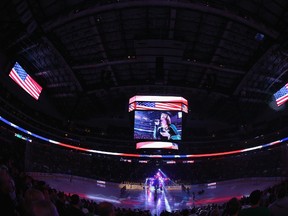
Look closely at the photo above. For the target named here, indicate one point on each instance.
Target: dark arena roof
(227, 58)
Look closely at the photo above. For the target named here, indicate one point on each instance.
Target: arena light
(167, 204)
(101, 198)
(171, 162)
(211, 184)
(22, 137)
(188, 161)
(143, 161)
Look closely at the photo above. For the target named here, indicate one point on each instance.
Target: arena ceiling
(227, 58)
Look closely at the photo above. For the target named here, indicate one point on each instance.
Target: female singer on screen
(164, 129)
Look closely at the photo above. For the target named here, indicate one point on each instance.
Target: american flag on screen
(158, 106)
(19, 75)
(131, 107)
(281, 96)
(184, 108)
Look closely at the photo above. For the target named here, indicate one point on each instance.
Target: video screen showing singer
(164, 129)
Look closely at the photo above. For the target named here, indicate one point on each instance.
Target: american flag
(19, 75)
(281, 96)
(131, 107)
(158, 106)
(184, 108)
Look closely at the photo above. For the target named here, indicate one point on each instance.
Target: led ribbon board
(184, 156)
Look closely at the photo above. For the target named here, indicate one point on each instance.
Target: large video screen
(26, 82)
(281, 96)
(157, 125)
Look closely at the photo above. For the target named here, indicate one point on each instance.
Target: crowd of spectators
(250, 164)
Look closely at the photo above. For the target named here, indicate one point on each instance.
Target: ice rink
(138, 197)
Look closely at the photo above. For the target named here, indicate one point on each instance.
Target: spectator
(233, 207)
(60, 203)
(44, 208)
(106, 209)
(75, 207)
(280, 206)
(7, 193)
(255, 209)
(31, 196)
